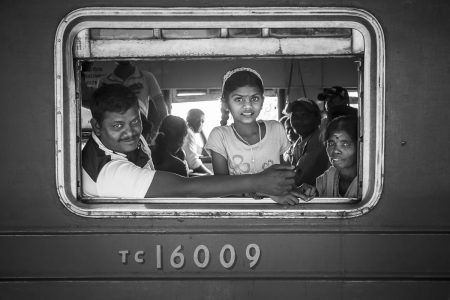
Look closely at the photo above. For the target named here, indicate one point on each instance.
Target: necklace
(242, 139)
(248, 144)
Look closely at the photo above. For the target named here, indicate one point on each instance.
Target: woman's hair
(235, 79)
(172, 129)
(348, 124)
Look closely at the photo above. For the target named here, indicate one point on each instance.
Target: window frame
(67, 107)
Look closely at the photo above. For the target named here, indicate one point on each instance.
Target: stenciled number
(177, 254)
(230, 263)
(205, 262)
(202, 256)
(253, 258)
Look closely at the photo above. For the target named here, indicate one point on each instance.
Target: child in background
(340, 179)
(167, 154)
(247, 146)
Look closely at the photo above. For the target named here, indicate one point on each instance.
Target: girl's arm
(219, 164)
(276, 180)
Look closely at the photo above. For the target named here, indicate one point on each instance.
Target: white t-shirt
(245, 159)
(118, 178)
(145, 83)
(190, 148)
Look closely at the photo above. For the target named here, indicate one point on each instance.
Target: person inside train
(167, 154)
(334, 96)
(291, 136)
(308, 156)
(340, 180)
(116, 161)
(195, 119)
(146, 87)
(247, 146)
(337, 103)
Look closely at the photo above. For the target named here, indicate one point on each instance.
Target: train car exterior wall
(399, 250)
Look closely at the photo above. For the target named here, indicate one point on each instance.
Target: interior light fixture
(189, 93)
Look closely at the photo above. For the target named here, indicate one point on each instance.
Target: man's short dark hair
(112, 97)
(194, 115)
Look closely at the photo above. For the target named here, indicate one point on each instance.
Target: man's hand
(306, 192)
(289, 198)
(276, 180)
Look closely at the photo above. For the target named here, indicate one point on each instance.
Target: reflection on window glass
(190, 33)
(121, 34)
(310, 32)
(244, 32)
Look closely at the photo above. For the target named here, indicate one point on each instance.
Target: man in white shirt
(146, 87)
(195, 119)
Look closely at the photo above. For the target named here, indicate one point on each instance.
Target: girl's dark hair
(348, 124)
(171, 130)
(112, 97)
(235, 81)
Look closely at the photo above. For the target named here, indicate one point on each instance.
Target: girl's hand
(289, 199)
(306, 192)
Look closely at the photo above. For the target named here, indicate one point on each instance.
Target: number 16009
(201, 256)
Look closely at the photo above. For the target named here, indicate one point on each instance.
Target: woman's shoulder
(324, 179)
(330, 172)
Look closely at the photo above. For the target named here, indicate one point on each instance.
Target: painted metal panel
(208, 288)
(282, 255)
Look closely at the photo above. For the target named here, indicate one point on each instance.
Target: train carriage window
(297, 51)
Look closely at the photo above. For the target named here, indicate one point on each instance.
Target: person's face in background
(177, 143)
(197, 125)
(119, 132)
(303, 121)
(334, 101)
(291, 135)
(341, 150)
